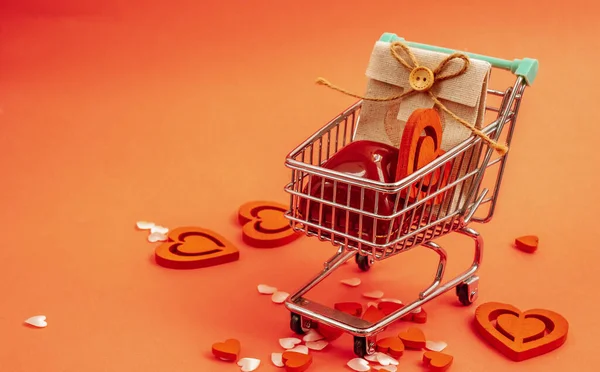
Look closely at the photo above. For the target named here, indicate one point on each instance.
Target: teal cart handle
(526, 67)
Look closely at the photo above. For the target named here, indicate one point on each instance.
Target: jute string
(438, 76)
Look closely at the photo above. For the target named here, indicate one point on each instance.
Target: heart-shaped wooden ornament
(528, 243)
(413, 338)
(520, 335)
(373, 315)
(228, 350)
(436, 361)
(296, 362)
(391, 345)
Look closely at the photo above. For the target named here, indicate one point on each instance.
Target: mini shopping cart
(424, 225)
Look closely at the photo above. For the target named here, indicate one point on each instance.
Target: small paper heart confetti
(372, 357)
(352, 282)
(300, 349)
(265, 289)
(37, 321)
(386, 360)
(159, 229)
(393, 300)
(279, 297)
(435, 345)
(277, 360)
(359, 365)
(144, 225)
(373, 294)
(312, 335)
(248, 364)
(390, 368)
(317, 345)
(157, 237)
(289, 343)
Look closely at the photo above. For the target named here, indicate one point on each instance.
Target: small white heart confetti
(373, 294)
(300, 349)
(265, 289)
(435, 345)
(37, 321)
(277, 359)
(279, 297)
(393, 300)
(157, 237)
(359, 365)
(372, 357)
(248, 364)
(371, 304)
(386, 360)
(289, 343)
(159, 229)
(352, 282)
(144, 225)
(390, 368)
(312, 335)
(317, 345)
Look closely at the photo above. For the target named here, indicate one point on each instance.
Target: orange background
(179, 111)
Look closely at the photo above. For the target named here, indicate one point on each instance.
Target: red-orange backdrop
(180, 111)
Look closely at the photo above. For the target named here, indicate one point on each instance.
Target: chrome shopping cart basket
(413, 221)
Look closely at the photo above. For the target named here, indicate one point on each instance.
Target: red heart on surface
(391, 345)
(373, 315)
(527, 243)
(296, 362)
(517, 334)
(436, 361)
(352, 308)
(228, 350)
(413, 338)
(265, 225)
(420, 317)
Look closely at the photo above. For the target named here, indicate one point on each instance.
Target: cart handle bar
(526, 67)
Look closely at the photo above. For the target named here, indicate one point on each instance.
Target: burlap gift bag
(460, 91)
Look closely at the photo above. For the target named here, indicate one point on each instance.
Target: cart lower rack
(370, 234)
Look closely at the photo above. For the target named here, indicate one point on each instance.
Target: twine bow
(418, 85)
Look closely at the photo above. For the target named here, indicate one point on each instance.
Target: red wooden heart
(296, 362)
(438, 362)
(413, 338)
(392, 346)
(228, 350)
(517, 334)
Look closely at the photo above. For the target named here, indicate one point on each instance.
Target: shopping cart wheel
(296, 324)
(468, 291)
(363, 346)
(364, 262)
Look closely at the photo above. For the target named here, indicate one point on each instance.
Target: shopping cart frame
(444, 215)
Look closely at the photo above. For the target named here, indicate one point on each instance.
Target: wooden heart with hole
(296, 362)
(418, 149)
(228, 350)
(520, 335)
(436, 361)
(264, 224)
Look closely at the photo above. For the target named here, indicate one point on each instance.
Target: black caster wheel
(296, 324)
(363, 346)
(468, 291)
(364, 262)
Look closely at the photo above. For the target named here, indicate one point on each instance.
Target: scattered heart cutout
(330, 333)
(157, 237)
(386, 360)
(436, 361)
(420, 317)
(38, 321)
(279, 297)
(517, 335)
(144, 225)
(248, 364)
(296, 362)
(159, 229)
(392, 345)
(373, 294)
(277, 359)
(228, 350)
(289, 342)
(373, 315)
(413, 338)
(359, 365)
(312, 335)
(527, 243)
(372, 357)
(301, 349)
(352, 282)
(265, 289)
(435, 345)
(317, 345)
(352, 308)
